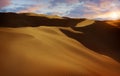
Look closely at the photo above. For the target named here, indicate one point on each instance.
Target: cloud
(72, 1)
(4, 3)
(54, 7)
(66, 1)
(61, 7)
(30, 9)
(100, 9)
(72, 8)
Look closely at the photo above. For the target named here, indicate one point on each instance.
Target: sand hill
(32, 45)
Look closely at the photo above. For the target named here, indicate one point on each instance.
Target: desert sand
(47, 51)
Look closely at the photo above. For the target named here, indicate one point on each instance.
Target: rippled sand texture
(46, 51)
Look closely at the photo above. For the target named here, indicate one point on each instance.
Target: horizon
(112, 23)
(47, 15)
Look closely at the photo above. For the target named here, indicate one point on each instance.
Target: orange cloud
(106, 9)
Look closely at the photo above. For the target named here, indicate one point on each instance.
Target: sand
(46, 51)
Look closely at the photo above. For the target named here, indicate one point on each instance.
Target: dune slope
(46, 51)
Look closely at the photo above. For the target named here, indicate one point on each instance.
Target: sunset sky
(72, 8)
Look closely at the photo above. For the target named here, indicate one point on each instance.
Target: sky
(93, 9)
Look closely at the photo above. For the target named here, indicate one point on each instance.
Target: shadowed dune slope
(24, 20)
(100, 37)
(57, 46)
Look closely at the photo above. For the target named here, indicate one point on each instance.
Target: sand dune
(52, 50)
(46, 51)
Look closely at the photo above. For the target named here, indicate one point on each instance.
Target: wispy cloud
(30, 9)
(56, 7)
(101, 9)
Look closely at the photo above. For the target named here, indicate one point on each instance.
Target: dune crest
(85, 23)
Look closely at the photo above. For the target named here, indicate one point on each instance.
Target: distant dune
(39, 45)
